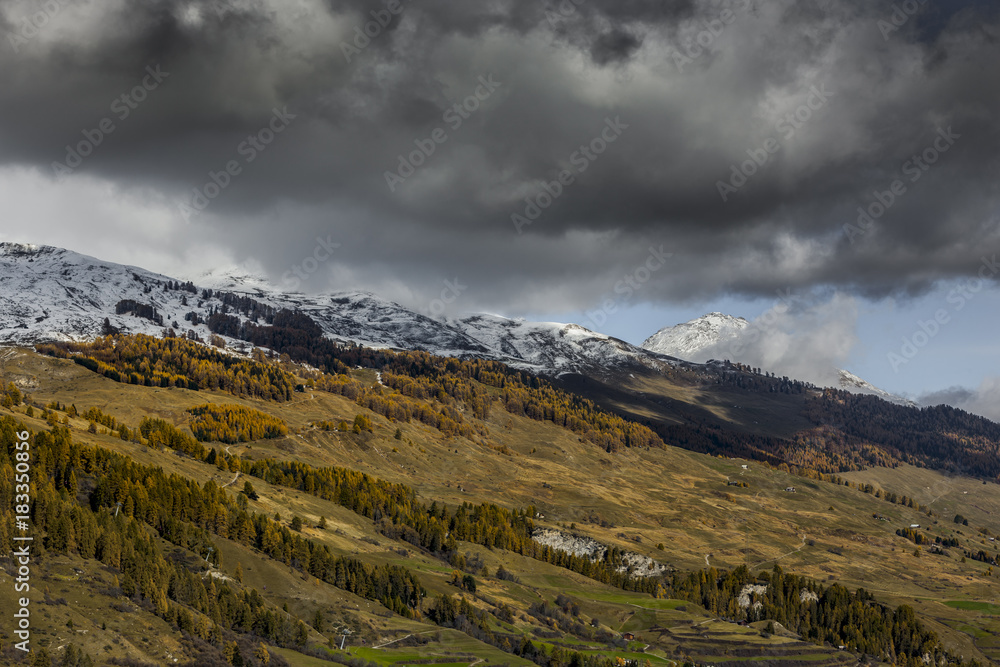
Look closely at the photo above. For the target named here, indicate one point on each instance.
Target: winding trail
(231, 482)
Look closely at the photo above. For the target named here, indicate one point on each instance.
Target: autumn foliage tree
(235, 423)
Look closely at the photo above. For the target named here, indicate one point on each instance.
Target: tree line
(422, 375)
(417, 385)
(176, 362)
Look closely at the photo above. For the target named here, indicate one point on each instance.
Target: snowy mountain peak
(234, 278)
(31, 252)
(696, 340)
(686, 340)
(853, 383)
(8, 248)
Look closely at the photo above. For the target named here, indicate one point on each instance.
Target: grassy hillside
(635, 499)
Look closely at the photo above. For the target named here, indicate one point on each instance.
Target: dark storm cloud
(845, 94)
(614, 46)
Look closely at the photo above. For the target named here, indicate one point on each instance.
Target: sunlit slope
(634, 499)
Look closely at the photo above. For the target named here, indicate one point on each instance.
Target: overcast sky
(712, 155)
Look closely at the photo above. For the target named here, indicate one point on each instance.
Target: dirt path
(231, 482)
(399, 639)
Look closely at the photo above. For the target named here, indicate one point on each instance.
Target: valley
(574, 333)
(633, 499)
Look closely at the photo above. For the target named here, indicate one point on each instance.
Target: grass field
(968, 605)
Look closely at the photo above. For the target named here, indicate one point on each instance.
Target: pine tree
(42, 659)
(301, 634)
(231, 651)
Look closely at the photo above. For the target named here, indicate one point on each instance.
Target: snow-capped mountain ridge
(51, 293)
(57, 294)
(701, 337)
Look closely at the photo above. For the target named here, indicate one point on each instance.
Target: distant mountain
(701, 337)
(687, 340)
(854, 384)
